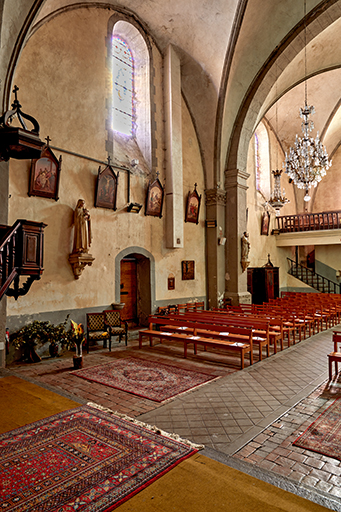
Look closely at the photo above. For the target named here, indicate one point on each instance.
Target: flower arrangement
(39, 332)
(76, 336)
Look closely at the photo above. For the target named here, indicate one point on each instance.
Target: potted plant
(39, 333)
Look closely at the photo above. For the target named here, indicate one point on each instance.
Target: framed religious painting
(193, 206)
(106, 188)
(187, 270)
(265, 224)
(154, 199)
(45, 174)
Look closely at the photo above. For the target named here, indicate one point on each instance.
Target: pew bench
(260, 328)
(229, 343)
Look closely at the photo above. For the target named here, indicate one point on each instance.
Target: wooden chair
(116, 326)
(96, 329)
(334, 357)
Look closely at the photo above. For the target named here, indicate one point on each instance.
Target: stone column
(4, 191)
(236, 224)
(215, 253)
(173, 132)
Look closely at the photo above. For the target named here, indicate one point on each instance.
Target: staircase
(311, 278)
(21, 255)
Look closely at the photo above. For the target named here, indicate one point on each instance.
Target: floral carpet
(148, 379)
(324, 435)
(82, 459)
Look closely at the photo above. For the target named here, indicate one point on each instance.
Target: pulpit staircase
(311, 278)
(21, 255)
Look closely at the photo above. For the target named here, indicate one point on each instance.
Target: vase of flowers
(76, 336)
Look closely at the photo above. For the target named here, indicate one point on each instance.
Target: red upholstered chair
(115, 325)
(96, 329)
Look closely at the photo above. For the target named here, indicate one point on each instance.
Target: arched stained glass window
(262, 160)
(123, 87)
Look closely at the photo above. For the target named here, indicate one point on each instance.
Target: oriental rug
(82, 459)
(148, 379)
(324, 435)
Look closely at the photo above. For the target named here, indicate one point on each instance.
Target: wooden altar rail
(309, 221)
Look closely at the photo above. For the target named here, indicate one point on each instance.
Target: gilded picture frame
(193, 206)
(154, 199)
(265, 224)
(106, 188)
(45, 175)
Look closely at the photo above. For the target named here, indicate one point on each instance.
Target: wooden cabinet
(263, 283)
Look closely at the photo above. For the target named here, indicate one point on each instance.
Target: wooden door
(128, 293)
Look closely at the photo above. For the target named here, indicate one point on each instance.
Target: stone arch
(249, 113)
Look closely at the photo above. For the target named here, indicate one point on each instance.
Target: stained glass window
(123, 87)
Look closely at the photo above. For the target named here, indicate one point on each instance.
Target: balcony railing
(309, 221)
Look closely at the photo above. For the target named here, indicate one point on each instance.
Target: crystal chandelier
(277, 198)
(307, 162)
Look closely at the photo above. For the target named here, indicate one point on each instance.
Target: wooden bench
(174, 331)
(260, 329)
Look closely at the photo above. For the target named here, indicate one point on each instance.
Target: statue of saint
(82, 225)
(245, 251)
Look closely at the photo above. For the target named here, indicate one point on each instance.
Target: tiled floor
(247, 419)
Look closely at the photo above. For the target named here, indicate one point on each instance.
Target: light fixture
(277, 198)
(307, 162)
(134, 207)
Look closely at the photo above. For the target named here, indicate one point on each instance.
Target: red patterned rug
(148, 379)
(324, 435)
(82, 459)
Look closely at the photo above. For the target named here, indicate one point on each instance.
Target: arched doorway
(135, 285)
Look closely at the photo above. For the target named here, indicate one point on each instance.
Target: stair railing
(8, 269)
(311, 278)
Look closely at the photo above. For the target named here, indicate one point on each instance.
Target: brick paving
(250, 417)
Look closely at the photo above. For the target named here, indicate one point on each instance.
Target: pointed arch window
(262, 160)
(123, 87)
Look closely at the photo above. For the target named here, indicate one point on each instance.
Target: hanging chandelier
(277, 197)
(307, 162)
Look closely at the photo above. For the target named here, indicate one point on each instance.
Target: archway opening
(135, 289)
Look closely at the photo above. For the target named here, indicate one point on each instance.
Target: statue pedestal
(78, 262)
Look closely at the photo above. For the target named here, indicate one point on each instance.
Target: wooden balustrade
(309, 221)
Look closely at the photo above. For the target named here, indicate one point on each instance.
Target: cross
(195, 186)
(48, 140)
(157, 175)
(16, 88)
(109, 159)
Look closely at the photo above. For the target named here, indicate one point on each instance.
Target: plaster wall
(327, 196)
(262, 245)
(329, 255)
(63, 82)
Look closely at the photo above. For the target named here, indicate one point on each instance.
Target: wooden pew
(207, 335)
(260, 328)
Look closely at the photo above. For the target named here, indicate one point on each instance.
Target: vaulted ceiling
(231, 43)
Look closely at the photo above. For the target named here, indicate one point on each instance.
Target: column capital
(215, 196)
(236, 177)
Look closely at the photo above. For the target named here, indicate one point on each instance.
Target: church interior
(148, 172)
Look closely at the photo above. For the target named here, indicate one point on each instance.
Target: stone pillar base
(239, 298)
